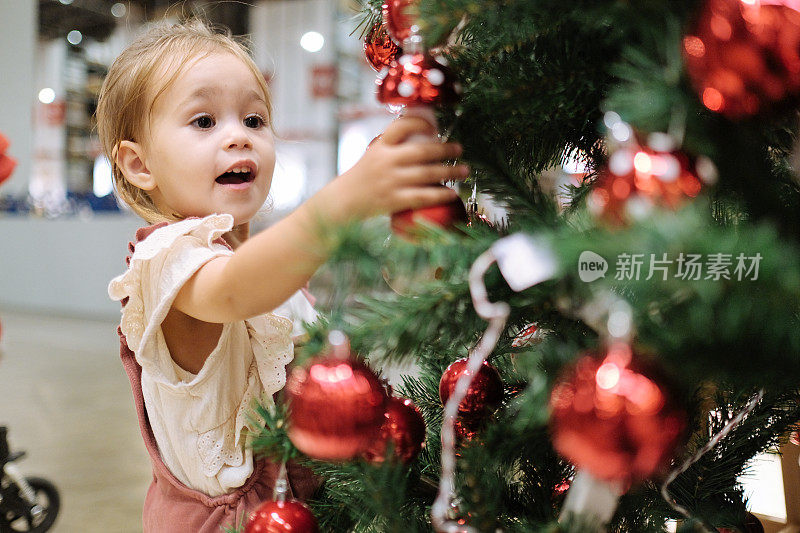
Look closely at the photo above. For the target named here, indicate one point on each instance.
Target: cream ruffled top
(199, 421)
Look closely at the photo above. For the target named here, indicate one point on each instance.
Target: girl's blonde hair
(141, 73)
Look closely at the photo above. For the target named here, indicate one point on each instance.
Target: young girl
(185, 118)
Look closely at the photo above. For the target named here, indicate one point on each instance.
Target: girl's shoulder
(161, 260)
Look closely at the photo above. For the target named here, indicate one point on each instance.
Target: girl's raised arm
(271, 266)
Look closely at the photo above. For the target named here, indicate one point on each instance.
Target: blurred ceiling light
(74, 37)
(312, 41)
(47, 95)
(65, 2)
(119, 10)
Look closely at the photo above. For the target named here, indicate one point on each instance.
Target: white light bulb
(47, 95)
(119, 10)
(312, 41)
(74, 37)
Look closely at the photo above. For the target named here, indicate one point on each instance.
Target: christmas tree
(640, 323)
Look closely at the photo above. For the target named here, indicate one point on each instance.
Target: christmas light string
(496, 313)
(705, 449)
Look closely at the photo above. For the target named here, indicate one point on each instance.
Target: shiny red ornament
(751, 525)
(379, 49)
(418, 79)
(399, 16)
(744, 56)
(485, 393)
(282, 517)
(336, 408)
(448, 216)
(614, 420)
(467, 429)
(404, 427)
(529, 336)
(637, 179)
(794, 437)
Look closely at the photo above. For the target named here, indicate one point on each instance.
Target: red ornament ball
(379, 48)
(751, 525)
(744, 57)
(794, 437)
(404, 427)
(418, 79)
(529, 335)
(636, 180)
(399, 16)
(484, 395)
(613, 419)
(336, 408)
(282, 517)
(449, 216)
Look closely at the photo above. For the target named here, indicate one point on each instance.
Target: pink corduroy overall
(172, 507)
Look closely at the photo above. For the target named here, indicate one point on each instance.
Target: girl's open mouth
(235, 178)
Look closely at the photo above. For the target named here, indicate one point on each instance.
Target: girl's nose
(237, 137)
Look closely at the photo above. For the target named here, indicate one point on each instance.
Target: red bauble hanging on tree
(485, 393)
(448, 216)
(379, 49)
(404, 428)
(399, 16)
(751, 525)
(418, 80)
(637, 179)
(282, 517)
(744, 56)
(613, 419)
(336, 408)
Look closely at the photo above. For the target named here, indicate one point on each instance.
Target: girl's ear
(130, 160)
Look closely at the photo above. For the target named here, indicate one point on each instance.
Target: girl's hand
(393, 175)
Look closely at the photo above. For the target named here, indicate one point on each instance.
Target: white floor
(66, 400)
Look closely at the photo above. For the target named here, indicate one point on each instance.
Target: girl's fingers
(433, 174)
(417, 197)
(417, 152)
(402, 128)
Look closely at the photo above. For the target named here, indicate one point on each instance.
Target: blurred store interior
(63, 236)
(60, 194)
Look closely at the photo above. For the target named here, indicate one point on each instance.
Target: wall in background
(63, 266)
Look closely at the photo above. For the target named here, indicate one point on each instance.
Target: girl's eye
(204, 122)
(254, 121)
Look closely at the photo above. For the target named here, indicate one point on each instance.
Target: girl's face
(209, 149)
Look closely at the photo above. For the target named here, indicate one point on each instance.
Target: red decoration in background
(448, 216)
(485, 393)
(613, 419)
(379, 49)
(7, 163)
(751, 525)
(404, 427)
(636, 179)
(323, 81)
(418, 79)
(744, 56)
(399, 16)
(282, 516)
(336, 407)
